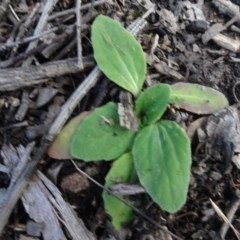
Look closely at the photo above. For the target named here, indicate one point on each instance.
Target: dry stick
(234, 207)
(15, 125)
(232, 10)
(234, 91)
(97, 3)
(11, 17)
(28, 39)
(40, 26)
(3, 8)
(227, 42)
(13, 194)
(78, 26)
(72, 102)
(66, 49)
(88, 17)
(52, 48)
(83, 7)
(11, 61)
(14, 13)
(224, 218)
(22, 110)
(61, 14)
(15, 78)
(28, 21)
(13, 33)
(126, 203)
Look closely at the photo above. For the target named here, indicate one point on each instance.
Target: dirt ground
(37, 77)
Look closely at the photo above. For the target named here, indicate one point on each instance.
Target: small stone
(216, 175)
(198, 26)
(189, 38)
(75, 183)
(196, 48)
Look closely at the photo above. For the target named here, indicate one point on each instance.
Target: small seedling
(159, 154)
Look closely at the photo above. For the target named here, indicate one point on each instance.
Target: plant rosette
(159, 154)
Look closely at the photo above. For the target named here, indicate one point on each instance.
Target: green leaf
(162, 158)
(123, 171)
(60, 148)
(100, 136)
(152, 103)
(197, 98)
(118, 54)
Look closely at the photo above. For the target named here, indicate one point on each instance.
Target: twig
(14, 13)
(116, 235)
(101, 94)
(40, 26)
(230, 9)
(233, 59)
(234, 91)
(224, 218)
(28, 21)
(88, 17)
(28, 39)
(52, 48)
(31, 52)
(83, 7)
(78, 26)
(235, 29)
(97, 3)
(15, 125)
(15, 78)
(234, 207)
(61, 14)
(227, 42)
(66, 49)
(72, 102)
(3, 8)
(13, 33)
(22, 110)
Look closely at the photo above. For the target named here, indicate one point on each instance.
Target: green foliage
(161, 149)
(197, 98)
(152, 103)
(100, 136)
(162, 160)
(119, 212)
(118, 54)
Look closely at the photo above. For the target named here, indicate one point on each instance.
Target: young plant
(161, 149)
(159, 154)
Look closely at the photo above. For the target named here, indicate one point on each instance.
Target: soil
(215, 68)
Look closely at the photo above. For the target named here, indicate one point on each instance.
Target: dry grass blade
(225, 219)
